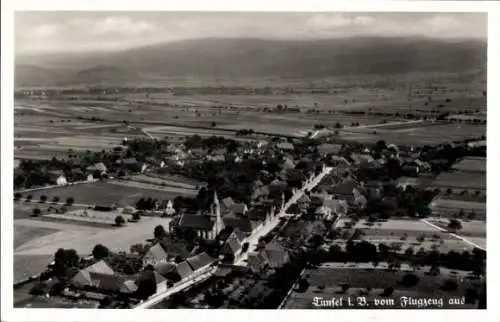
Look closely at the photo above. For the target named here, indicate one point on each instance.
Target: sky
(80, 31)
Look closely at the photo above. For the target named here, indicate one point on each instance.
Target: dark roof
(106, 281)
(227, 202)
(285, 146)
(243, 223)
(238, 208)
(198, 261)
(257, 213)
(165, 268)
(257, 261)
(155, 253)
(232, 244)
(329, 148)
(183, 269)
(174, 248)
(196, 221)
(373, 184)
(129, 161)
(345, 188)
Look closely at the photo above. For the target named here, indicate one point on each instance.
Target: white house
(169, 210)
(61, 180)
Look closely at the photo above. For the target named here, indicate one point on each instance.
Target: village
(248, 220)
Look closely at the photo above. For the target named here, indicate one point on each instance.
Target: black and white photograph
(264, 160)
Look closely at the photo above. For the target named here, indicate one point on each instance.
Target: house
(404, 182)
(288, 164)
(174, 249)
(199, 261)
(276, 254)
(285, 146)
(374, 189)
(340, 165)
(329, 148)
(226, 204)
(411, 170)
(206, 226)
(169, 209)
(83, 278)
(90, 178)
(331, 207)
(362, 159)
(97, 167)
(61, 180)
(345, 190)
(231, 246)
(239, 209)
(257, 261)
(243, 223)
(155, 255)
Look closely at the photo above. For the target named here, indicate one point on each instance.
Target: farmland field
(110, 192)
(325, 282)
(23, 234)
(461, 180)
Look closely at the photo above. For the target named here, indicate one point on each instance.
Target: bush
(36, 212)
(100, 251)
(455, 225)
(119, 221)
(70, 201)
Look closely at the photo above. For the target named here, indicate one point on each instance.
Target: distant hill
(262, 58)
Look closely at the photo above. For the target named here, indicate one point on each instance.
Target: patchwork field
(404, 234)
(106, 193)
(325, 282)
(418, 135)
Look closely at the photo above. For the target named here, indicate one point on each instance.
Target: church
(206, 225)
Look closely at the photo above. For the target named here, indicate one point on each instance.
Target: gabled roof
(285, 146)
(128, 286)
(165, 268)
(243, 223)
(232, 244)
(227, 202)
(198, 261)
(174, 248)
(129, 161)
(345, 188)
(156, 253)
(239, 208)
(304, 199)
(196, 221)
(257, 261)
(257, 213)
(183, 269)
(329, 148)
(106, 281)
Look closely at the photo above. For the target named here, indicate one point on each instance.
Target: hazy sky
(89, 31)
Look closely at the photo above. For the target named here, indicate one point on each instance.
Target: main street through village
(252, 240)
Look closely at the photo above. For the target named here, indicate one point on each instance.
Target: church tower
(219, 224)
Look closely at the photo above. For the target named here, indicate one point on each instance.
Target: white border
(10, 314)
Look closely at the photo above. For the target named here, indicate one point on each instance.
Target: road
(454, 235)
(253, 240)
(155, 299)
(51, 186)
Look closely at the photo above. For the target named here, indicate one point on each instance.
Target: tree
(454, 225)
(29, 197)
(70, 201)
(159, 232)
(338, 125)
(421, 238)
(214, 124)
(409, 251)
(136, 215)
(17, 196)
(471, 215)
(100, 251)
(344, 287)
(245, 246)
(36, 212)
(119, 220)
(55, 199)
(43, 198)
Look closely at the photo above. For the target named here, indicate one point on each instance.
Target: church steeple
(219, 224)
